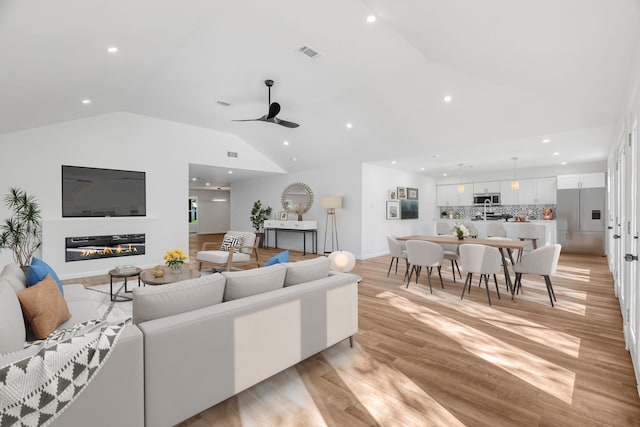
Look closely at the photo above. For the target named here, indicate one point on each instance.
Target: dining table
(505, 246)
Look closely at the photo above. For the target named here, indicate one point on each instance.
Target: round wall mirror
(297, 198)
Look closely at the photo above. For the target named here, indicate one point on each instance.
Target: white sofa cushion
(12, 330)
(16, 277)
(245, 283)
(306, 271)
(153, 302)
(220, 257)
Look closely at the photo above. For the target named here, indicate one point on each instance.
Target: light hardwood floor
(433, 360)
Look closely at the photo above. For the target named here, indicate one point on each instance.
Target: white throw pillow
(306, 271)
(12, 331)
(245, 283)
(154, 302)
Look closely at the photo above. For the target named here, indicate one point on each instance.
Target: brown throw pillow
(44, 307)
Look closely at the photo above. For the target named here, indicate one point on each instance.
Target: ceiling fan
(274, 109)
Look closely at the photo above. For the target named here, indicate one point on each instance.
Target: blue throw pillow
(278, 259)
(39, 270)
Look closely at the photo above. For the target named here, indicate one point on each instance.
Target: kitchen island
(545, 229)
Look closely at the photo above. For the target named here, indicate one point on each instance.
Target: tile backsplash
(464, 212)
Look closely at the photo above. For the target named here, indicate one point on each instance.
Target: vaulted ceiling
(518, 72)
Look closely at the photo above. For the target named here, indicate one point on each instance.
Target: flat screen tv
(93, 192)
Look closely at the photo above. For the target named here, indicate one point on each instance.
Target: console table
(303, 227)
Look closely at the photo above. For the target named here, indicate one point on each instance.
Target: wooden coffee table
(170, 276)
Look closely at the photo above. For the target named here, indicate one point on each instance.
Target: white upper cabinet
(586, 180)
(447, 195)
(486, 187)
(540, 191)
(546, 190)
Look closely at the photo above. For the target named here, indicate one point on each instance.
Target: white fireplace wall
(32, 160)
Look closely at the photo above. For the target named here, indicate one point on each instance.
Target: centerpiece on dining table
(461, 231)
(175, 259)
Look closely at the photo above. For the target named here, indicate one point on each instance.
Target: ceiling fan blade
(260, 119)
(285, 123)
(274, 109)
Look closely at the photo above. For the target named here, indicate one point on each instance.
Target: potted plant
(22, 231)
(258, 216)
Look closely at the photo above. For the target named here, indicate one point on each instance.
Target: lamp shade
(331, 202)
(342, 261)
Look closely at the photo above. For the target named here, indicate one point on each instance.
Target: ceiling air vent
(224, 104)
(232, 154)
(311, 53)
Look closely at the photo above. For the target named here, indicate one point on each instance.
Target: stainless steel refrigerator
(580, 220)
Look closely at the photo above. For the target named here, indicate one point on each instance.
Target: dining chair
(424, 254)
(397, 251)
(496, 229)
(483, 260)
(452, 253)
(528, 232)
(473, 231)
(542, 261)
(443, 228)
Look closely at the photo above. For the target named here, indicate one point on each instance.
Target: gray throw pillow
(306, 271)
(245, 283)
(154, 302)
(12, 331)
(16, 277)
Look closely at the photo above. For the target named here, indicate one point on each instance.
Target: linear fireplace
(96, 247)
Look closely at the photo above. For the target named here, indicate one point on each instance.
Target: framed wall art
(412, 193)
(283, 215)
(393, 209)
(393, 195)
(402, 192)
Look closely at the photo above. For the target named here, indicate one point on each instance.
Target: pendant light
(460, 184)
(515, 184)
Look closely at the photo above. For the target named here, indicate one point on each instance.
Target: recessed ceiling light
(349, 125)
(86, 101)
(112, 49)
(556, 154)
(286, 143)
(371, 18)
(447, 98)
(207, 184)
(230, 172)
(393, 162)
(421, 169)
(193, 179)
(563, 163)
(293, 159)
(445, 174)
(544, 141)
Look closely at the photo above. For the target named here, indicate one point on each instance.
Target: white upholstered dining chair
(542, 261)
(397, 251)
(424, 254)
(483, 260)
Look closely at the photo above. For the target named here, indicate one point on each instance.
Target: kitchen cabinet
(448, 195)
(586, 180)
(486, 187)
(539, 191)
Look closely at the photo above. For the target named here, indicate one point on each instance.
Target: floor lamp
(330, 203)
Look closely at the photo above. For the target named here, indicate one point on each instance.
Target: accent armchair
(241, 250)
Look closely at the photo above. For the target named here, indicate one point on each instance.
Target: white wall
(213, 217)
(344, 181)
(32, 160)
(377, 181)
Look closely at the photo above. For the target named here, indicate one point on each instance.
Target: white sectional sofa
(197, 342)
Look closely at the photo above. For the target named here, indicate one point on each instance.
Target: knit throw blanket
(48, 375)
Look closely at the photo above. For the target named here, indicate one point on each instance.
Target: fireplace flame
(109, 251)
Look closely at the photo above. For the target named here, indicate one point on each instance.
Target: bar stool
(527, 232)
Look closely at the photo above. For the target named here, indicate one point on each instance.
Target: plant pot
(261, 235)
